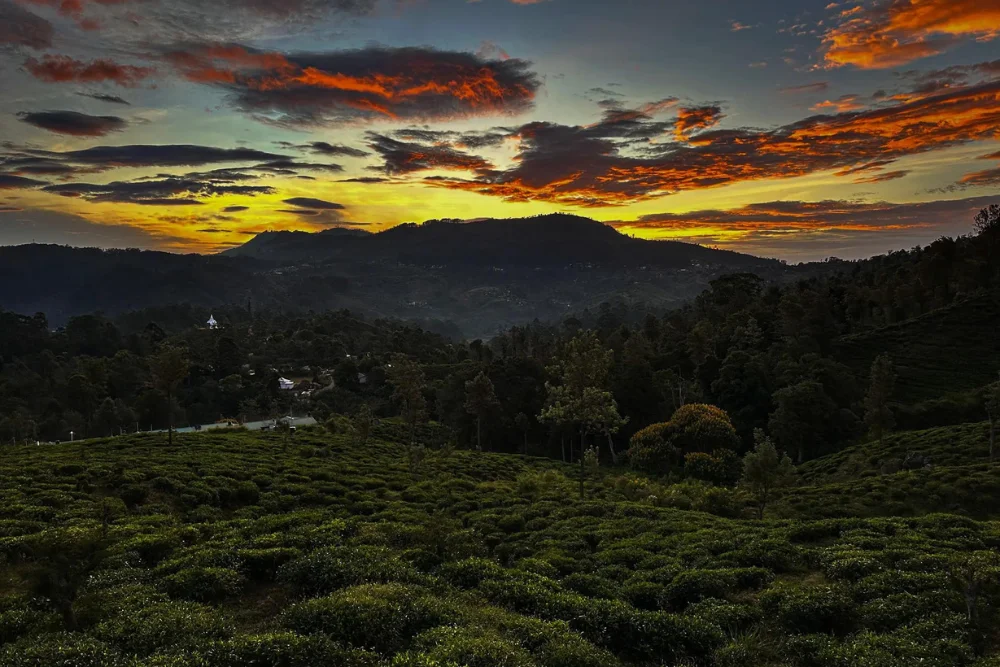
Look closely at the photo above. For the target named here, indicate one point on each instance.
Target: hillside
(951, 349)
(944, 469)
(482, 276)
(231, 549)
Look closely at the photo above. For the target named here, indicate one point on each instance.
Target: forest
(786, 474)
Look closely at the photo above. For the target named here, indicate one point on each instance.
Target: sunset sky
(798, 130)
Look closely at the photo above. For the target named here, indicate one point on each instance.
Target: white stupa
(212, 324)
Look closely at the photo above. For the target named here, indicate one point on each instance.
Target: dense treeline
(773, 357)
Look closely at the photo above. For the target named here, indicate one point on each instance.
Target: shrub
(696, 585)
(380, 617)
(472, 648)
(146, 629)
(722, 467)
(471, 572)
(58, 650)
(812, 609)
(326, 570)
(204, 584)
(282, 649)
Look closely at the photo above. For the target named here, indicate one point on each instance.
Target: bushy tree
(764, 470)
(695, 427)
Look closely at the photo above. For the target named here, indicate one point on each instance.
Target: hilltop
(556, 240)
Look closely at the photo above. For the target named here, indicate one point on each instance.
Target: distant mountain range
(479, 275)
(544, 241)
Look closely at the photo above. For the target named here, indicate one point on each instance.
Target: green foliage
(380, 617)
(481, 559)
(722, 467)
(764, 471)
(692, 428)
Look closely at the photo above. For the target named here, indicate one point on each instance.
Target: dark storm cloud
(324, 148)
(166, 191)
(288, 165)
(73, 123)
(11, 182)
(110, 99)
(314, 89)
(175, 155)
(309, 202)
(19, 27)
(400, 157)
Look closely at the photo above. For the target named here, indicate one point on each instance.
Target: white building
(212, 324)
(285, 383)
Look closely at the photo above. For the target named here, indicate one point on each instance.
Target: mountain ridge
(553, 239)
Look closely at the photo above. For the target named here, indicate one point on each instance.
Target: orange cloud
(901, 31)
(598, 165)
(63, 69)
(841, 104)
(407, 83)
(691, 119)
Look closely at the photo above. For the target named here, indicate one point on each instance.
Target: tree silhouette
(481, 401)
(878, 416)
(169, 368)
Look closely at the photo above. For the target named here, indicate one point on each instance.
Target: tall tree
(580, 401)
(802, 417)
(407, 378)
(169, 368)
(523, 423)
(764, 470)
(878, 416)
(363, 422)
(480, 401)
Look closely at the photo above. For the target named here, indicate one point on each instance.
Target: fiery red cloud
(598, 165)
(894, 33)
(63, 69)
(691, 119)
(404, 83)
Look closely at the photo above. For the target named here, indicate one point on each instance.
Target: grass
(236, 549)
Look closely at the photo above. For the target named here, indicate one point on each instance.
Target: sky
(800, 130)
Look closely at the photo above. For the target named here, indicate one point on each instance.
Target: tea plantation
(238, 549)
